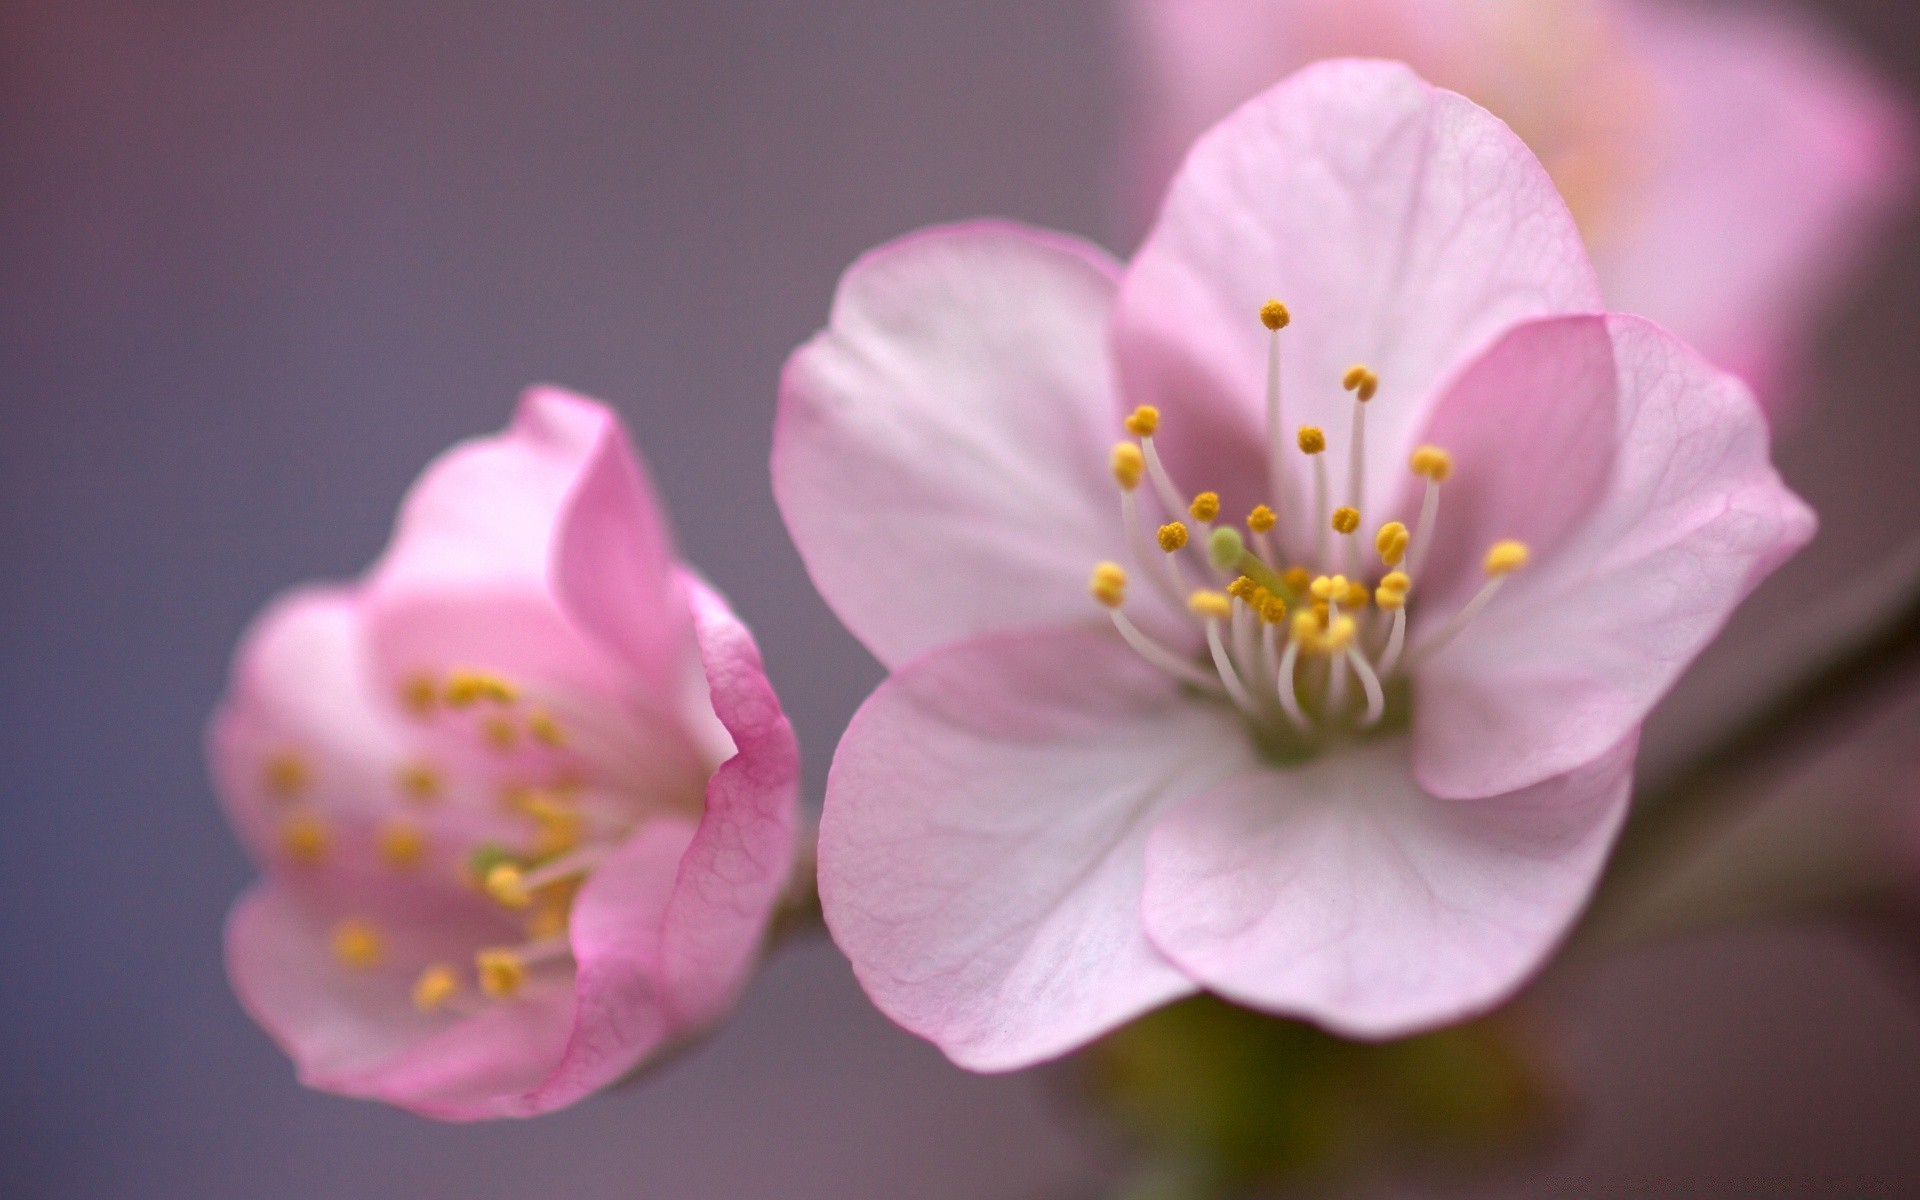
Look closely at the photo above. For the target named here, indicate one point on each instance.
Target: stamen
(419, 782)
(1159, 656)
(1128, 464)
(1275, 317)
(286, 775)
(1313, 444)
(507, 884)
(503, 969)
(1362, 383)
(358, 945)
(1305, 629)
(1173, 536)
(418, 694)
(546, 730)
(435, 986)
(1212, 607)
(1163, 485)
(1369, 683)
(1391, 543)
(1260, 523)
(1159, 570)
(1109, 584)
(305, 839)
(1205, 507)
(403, 845)
(500, 733)
(1503, 558)
(1143, 421)
(465, 688)
(1435, 464)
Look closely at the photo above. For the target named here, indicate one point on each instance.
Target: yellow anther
(1143, 421)
(1341, 634)
(465, 688)
(403, 845)
(1321, 611)
(419, 782)
(1345, 519)
(1173, 535)
(1297, 579)
(436, 985)
(1257, 596)
(357, 944)
(418, 694)
(1391, 542)
(286, 775)
(545, 729)
(500, 732)
(1273, 609)
(1241, 587)
(1109, 584)
(1388, 599)
(559, 832)
(501, 972)
(305, 839)
(1128, 464)
(1261, 519)
(1361, 382)
(1396, 581)
(1274, 315)
(1312, 440)
(1357, 595)
(506, 884)
(1433, 462)
(1209, 604)
(1328, 587)
(1506, 557)
(1306, 631)
(1205, 506)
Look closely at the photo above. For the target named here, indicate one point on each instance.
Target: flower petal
(981, 847)
(1341, 893)
(742, 855)
(1404, 227)
(1530, 427)
(303, 693)
(1576, 649)
(356, 1033)
(1781, 155)
(488, 511)
(941, 451)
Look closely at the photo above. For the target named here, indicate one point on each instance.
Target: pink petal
(1782, 154)
(356, 1033)
(488, 511)
(741, 856)
(981, 847)
(1340, 893)
(1403, 226)
(1530, 426)
(1568, 659)
(942, 446)
(614, 566)
(302, 685)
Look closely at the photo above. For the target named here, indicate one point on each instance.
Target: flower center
(533, 827)
(1304, 633)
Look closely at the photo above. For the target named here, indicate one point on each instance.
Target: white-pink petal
(1570, 657)
(981, 851)
(1341, 893)
(942, 446)
(1403, 226)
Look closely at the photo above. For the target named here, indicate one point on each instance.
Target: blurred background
(259, 262)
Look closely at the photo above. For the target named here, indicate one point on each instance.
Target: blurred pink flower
(1727, 163)
(1378, 812)
(523, 797)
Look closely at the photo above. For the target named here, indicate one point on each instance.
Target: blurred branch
(1878, 652)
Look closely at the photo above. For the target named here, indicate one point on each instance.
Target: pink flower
(1726, 162)
(1366, 774)
(523, 797)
